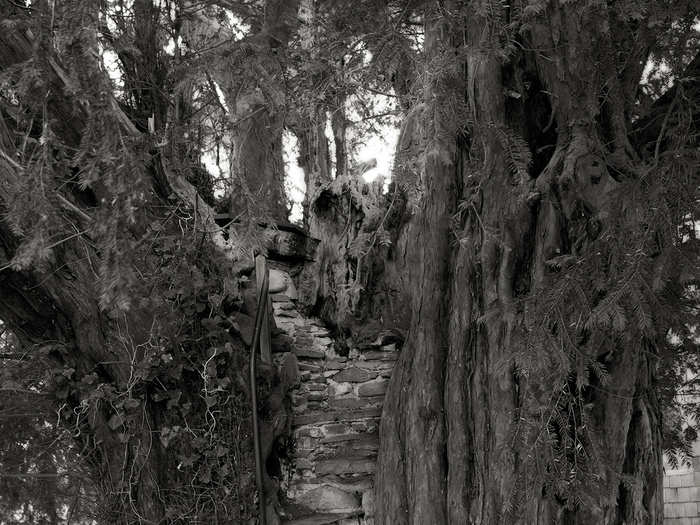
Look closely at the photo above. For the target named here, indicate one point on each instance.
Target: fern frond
(517, 153)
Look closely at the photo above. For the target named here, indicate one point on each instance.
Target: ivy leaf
(115, 421)
(132, 403)
(159, 396)
(215, 300)
(187, 461)
(89, 379)
(174, 399)
(165, 436)
(205, 475)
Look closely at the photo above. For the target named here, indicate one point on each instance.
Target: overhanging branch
(649, 131)
(16, 46)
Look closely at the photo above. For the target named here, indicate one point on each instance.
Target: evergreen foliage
(122, 363)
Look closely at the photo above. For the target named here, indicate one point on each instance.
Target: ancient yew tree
(536, 249)
(546, 255)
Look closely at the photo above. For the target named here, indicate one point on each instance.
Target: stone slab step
(321, 519)
(346, 465)
(329, 416)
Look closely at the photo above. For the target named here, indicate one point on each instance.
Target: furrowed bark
(458, 390)
(251, 77)
(412, 468)
(61, 304)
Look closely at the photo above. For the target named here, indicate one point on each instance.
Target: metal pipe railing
(259, 318)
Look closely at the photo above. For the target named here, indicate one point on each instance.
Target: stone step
(364, 437)
(356, 403)
(337, 407)
(322, 519)
(329, 416)
(357, 465)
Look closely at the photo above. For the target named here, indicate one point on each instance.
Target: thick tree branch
(649, 131)
(17, 47)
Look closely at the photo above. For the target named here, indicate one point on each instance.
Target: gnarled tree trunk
(258, 104)
(519, 397)
(60, 299)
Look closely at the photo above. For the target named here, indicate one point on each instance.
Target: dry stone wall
(337, 405)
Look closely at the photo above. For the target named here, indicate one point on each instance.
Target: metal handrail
(259, 318)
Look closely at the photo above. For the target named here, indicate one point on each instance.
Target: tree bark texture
(62, 307)
(474, 429)
(258, 102)
(57, 306)
(314, 159)
(251, 76)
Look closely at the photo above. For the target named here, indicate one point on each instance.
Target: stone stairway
(330, 479)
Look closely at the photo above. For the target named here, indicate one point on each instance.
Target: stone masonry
(337, 406)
